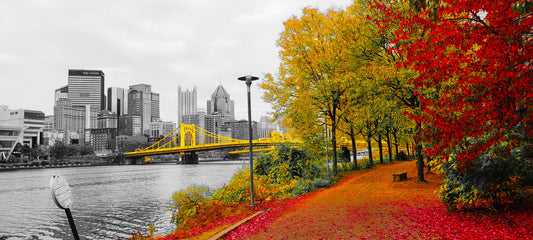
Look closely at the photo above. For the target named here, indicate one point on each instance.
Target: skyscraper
(155, 106)
(221, 105)
(187, 104)
(86, 87)
(117, 101)
(74, 121)
(61, 93)
(76, 105)
(143, 102)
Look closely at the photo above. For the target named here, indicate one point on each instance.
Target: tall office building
(117, 101)
(161, 129)
(61, 93)
(86, 87)
(74, 121)
(143, 102)
(240, 130)
(130, 125)
(103, 138)
(76, 105)
(187, 103)
(221, 105)
(155, 107)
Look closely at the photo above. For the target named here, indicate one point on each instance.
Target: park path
(365, 204)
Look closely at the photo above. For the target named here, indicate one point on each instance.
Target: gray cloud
(164, 43)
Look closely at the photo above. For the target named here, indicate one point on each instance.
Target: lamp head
(248, 79)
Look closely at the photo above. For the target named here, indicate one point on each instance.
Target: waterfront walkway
(365, 204)
(369, 205)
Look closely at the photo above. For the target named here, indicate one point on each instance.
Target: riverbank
(23, 167)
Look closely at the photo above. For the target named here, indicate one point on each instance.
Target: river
(108, 201)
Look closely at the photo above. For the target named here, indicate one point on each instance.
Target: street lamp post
(248, 79)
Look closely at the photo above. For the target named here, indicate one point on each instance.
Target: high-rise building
(48, 130)
(221, 105)
(143, 102)
(77, 105)
(86, 87)
(74, 121)
(241, 129)
(61, 93)
(187, 104)
(117, 100)
(161, 129)
(155, 107)
(130, 125)
(103, 138)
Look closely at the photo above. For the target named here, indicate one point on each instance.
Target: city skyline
(165, 44)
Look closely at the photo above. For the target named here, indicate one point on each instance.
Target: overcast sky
(164, 43)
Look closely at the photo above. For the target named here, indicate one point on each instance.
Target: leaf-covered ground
(369, 205)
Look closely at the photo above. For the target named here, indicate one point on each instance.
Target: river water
(108, 201)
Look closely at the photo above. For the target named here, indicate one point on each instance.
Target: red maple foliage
(474, 59)
(272, 211)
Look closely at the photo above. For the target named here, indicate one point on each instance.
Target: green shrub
(495, 180)
(287, 163)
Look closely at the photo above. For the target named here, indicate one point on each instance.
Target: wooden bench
(398, 177)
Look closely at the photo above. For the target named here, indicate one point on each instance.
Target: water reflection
(108, 201)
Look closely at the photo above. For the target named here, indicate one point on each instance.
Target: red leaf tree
(476, 57)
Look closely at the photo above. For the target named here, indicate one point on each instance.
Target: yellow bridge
(190, 138)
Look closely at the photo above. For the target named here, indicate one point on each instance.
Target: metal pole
(248, 83)
(72, 225)
(326, 131)
(248, 79)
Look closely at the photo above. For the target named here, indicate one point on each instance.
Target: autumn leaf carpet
(369, 205)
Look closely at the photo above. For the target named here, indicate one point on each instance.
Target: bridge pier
(188, 158)
(132, 161)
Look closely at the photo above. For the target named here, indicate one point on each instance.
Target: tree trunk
(380, 146)
(389, 144)
(418, 147)
(429, 167)
(369, 146)
(334, 145)
(354, 149)
(407, 147)
(395, 142)
(369, 143)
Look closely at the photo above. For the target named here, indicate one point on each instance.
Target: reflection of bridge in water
(188, 139)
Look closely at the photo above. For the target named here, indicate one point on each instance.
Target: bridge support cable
(189, 138)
